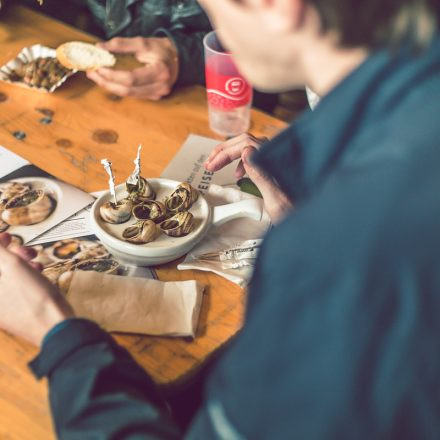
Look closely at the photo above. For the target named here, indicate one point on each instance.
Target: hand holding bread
(153, 80)
(77, 55)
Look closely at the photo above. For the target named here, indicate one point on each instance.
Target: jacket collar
(317, 142)
(118, 15)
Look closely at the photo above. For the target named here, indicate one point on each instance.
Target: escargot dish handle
(251, 208)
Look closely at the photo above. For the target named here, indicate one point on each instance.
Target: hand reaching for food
(153, 80)
(29, 304)
(241, 148)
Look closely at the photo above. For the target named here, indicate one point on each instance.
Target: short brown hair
(380, 23)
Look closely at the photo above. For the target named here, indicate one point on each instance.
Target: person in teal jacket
(340, 339)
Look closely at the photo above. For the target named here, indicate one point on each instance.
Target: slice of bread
(84, 56)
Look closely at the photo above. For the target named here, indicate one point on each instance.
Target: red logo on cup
(226, 89)
(235, 86)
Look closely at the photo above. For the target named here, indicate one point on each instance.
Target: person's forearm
(96, 388)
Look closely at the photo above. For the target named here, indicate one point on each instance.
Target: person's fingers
(7, 257)
(25, 253)
(5, 239)
(117, 89)
(225, 156)
(36, 266)
(240, 171)
(229, 143)
(264, 183)
(121, 77)
(149, 57)
(151, 85)
(226, 152)
(123, 45)
(130, 78)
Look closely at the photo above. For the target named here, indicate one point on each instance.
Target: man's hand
(29, 305)
(152, 81)
(242, 147)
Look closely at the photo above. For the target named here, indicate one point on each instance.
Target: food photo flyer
(61, 258)
(31, 200)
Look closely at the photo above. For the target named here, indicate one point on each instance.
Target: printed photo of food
(60, 259)
(24, 203)
(32, 202)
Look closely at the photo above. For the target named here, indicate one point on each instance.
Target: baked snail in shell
(141, 232)
(182, 198)
(178, 225)
(8, 190)
(140, 192)
(150, 210)
(28, 208)
(116, 213)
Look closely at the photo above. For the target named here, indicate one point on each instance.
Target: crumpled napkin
(226, 236)
(136, 305)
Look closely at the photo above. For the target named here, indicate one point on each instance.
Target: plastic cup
(229, 94)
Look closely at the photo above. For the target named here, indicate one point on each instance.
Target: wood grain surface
(87, 125)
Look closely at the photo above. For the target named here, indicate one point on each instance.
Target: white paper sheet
(10, 161)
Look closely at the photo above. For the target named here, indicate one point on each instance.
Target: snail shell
(8, 190)
(104, 265)
(28, 208)
(178, 225)
(150, 210)
(142, 232)
(182, 198)
(141, 192)
(119, 213)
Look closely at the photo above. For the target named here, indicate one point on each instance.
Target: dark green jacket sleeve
(190, 53)
(97, 391)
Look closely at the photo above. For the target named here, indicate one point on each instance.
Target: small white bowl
(165, 248)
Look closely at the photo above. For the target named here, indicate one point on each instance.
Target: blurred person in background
(165, 37)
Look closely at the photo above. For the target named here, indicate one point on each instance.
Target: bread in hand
(84, 56)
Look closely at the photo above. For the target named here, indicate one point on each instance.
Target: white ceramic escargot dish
(164, 248)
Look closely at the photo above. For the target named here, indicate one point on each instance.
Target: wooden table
(89, 124)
